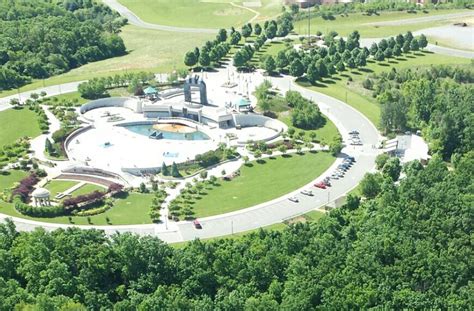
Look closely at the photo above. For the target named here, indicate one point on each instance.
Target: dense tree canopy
(42, 38)
(437, 100)
(408, 248)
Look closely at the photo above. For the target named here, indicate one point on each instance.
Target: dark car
(197, 224)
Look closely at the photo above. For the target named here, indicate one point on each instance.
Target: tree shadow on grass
(328, 81)
(410, 56)
(261, 161)
(401, 59)
(384, 64)
(272, 157)
(419, 54)
(365, 69)
(286, 156)
(392, 62)
(248, 164)
(313, 151)
(356, 73)
(345, 75)
(427, 52)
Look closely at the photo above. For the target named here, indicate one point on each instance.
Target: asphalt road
(346, 119)
(50, 91)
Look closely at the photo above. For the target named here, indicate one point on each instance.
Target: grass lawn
(87, 188)
(263, 182)
(58, 186)
(339, 87)
(327, 133)
(17, 123)
(130, 210)
(356, 21)
(7, 181)
(148, 50)
(190, 13)
(74, 96)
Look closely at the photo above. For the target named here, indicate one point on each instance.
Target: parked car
(197, 224)
(294, 199)
(339, 174)
(327, 182)
(342, 168)
(334, 176)
(352, 159)
(307, 192)
(320, 185)
(354, 132)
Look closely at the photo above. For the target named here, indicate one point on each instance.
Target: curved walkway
(137, 21)
(275, 211)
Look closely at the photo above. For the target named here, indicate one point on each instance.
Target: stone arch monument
(195, 82)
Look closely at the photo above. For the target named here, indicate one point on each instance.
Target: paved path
(275, 211)
(137, 21)
(50, 91)
(422, 19)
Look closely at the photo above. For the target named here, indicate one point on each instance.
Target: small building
(41, 197)
(150, 92)
(408, 148)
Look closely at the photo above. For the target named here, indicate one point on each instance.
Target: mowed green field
(189, 13)
(263, 182)
(356, 21)
(13, 176)
(355, 95)
(17, 123)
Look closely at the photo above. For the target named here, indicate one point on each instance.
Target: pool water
(147, 130)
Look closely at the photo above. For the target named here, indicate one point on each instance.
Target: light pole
(232, 227)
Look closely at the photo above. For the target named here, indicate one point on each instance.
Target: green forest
(42, 38)
(407, 248)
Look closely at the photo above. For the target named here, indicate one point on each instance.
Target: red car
(197, 224)
(320, 184)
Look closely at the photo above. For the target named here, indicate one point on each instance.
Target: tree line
(394, 251)
(42, 38)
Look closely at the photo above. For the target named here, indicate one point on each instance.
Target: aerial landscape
(236, 155)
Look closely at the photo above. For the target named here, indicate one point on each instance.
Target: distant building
(308, 3)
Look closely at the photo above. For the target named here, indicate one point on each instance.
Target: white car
(307, 192)
(294, 199)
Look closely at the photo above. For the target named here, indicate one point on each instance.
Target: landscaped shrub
(39, 211)
(92, 211)
(83, 200)
(25, 187)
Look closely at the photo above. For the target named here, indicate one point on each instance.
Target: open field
(189, 13)
(352, 92)
(149, 50)
(357, 21)
(16, 123)
(264, 181)
(202, 13)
